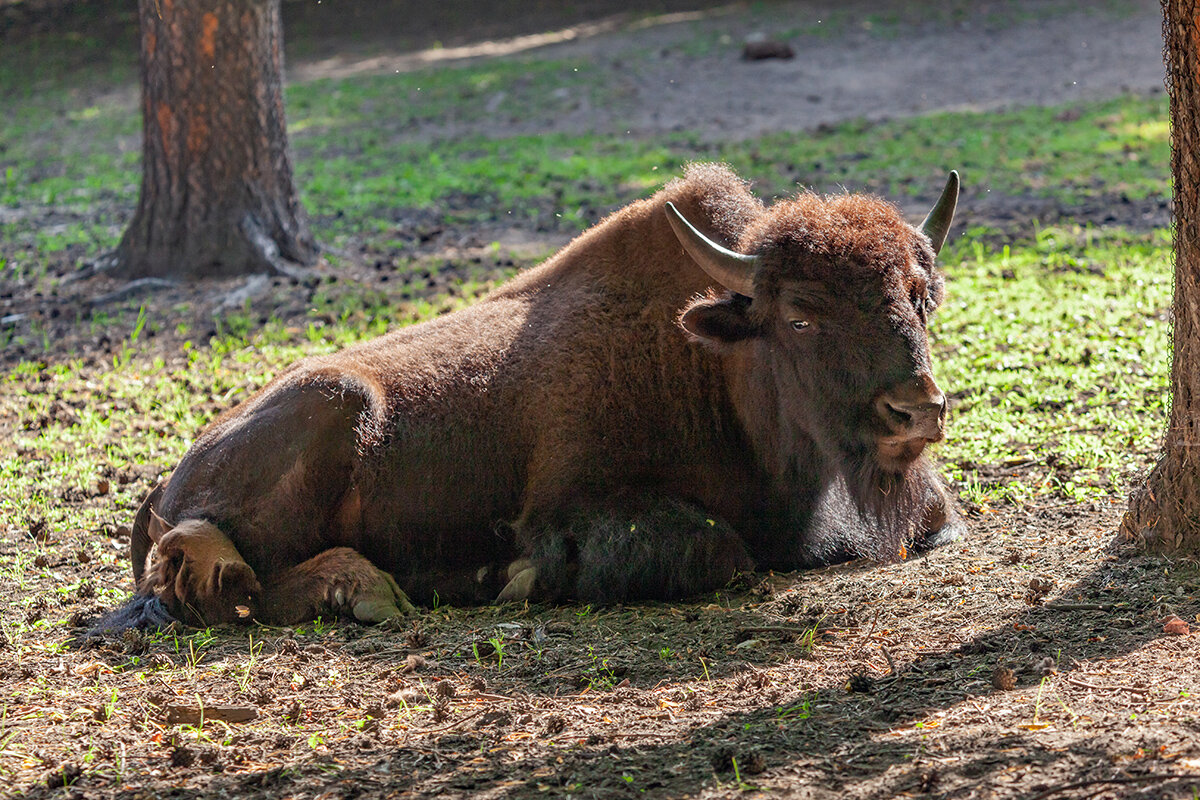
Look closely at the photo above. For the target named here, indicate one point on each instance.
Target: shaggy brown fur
(549, 419)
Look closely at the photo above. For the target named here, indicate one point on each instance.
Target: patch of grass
(369, 147)
(1069, 153)
(1056, 356)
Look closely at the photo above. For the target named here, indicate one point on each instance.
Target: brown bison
(698, 384)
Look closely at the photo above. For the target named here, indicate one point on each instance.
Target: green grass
(370, 147)
(1056, 355)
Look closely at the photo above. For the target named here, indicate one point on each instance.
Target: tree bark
(1164, 512)
(217, 195)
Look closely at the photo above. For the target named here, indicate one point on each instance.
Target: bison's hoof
(375, 610)
(371, 595)
(385, 600)
(383, 603)
(520, 586)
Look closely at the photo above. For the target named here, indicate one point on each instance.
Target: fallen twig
(1084, 684)
(1079, 607)
(891, 662)
(1066, 787)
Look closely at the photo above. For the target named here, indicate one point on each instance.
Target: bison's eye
(799, 324)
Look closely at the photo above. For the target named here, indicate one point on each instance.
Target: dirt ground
(1035, 659)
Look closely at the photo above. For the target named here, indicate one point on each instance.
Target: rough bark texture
(217, 193)
(1164, 512)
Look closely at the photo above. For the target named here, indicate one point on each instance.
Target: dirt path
(683, 71)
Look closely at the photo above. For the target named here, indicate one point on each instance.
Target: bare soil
(1035, 659)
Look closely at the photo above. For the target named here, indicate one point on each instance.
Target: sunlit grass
(1055, 349)
(1057, 357)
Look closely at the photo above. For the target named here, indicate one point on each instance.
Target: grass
(1056, 355)
(1055, 349)
(370, 147)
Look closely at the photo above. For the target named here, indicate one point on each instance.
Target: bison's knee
(199, 575)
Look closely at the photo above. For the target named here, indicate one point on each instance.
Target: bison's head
(826, 322)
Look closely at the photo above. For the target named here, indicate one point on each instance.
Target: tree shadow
(878, 738)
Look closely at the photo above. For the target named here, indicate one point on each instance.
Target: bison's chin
(896, 455)
(889, 492)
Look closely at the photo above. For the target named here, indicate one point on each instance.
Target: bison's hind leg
(200, 576)
(338, 581)
(638, 548)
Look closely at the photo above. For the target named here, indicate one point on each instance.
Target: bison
(698, 384)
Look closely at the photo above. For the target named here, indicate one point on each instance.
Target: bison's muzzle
(914, 414)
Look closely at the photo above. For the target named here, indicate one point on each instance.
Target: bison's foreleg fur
(337, 581)
(645, 547)
(940, 524)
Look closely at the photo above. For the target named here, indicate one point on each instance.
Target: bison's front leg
(940, 524)
(338, 581)
(631, 548)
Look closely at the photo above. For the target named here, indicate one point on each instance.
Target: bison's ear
(719, 321)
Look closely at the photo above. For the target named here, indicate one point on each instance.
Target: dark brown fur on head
(862, 283)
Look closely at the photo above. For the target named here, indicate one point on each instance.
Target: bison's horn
(734, 271)
(937, 225)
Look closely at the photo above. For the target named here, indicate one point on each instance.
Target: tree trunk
(1164, 512)
(217, 194)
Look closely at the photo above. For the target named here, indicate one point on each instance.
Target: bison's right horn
(734, 271)
(937, 225)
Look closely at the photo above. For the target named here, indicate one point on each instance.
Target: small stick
(1086, 685)
(891, 663)
(1079, 607)
(1084, 784)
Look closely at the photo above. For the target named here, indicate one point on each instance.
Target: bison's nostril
(897, 414)
(922, 419)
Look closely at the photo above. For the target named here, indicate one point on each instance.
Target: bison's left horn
(937, 225)
(734, 271)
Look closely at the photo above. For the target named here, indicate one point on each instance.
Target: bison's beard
(867, 511)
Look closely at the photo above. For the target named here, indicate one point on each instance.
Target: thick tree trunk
(217, 193)
(1164, 513)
